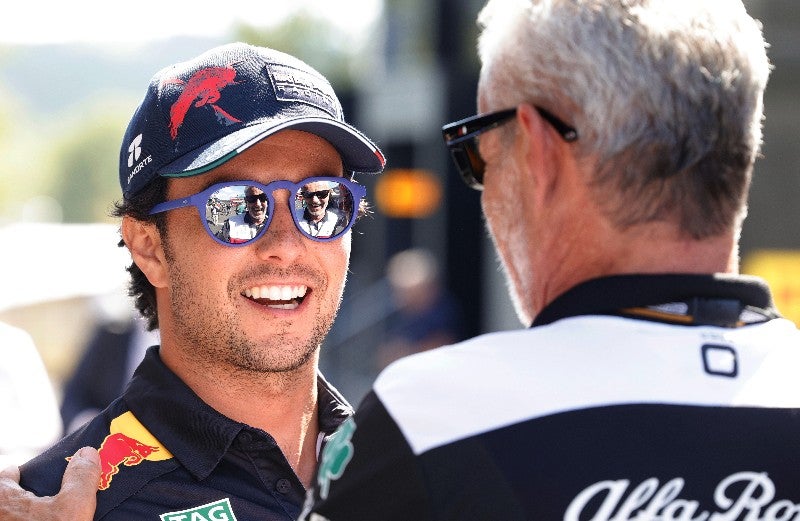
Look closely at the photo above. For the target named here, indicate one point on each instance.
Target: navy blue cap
(200, 113)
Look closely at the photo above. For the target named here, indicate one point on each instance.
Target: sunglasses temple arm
(172, 205)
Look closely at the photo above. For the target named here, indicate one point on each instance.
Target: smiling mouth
(277, 297)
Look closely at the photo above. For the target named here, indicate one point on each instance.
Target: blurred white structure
(43, 262)
(29, 416)
(57, 282)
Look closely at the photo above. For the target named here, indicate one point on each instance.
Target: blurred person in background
(425, 314)
(29, 419)
(112, 353)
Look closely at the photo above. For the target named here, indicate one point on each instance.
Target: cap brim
(358, 153)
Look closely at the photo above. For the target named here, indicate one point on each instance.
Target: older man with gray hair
(614, 145)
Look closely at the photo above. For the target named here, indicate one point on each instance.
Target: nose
(282, 241)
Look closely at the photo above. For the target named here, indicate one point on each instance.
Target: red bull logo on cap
(203, 88)
(129, 443)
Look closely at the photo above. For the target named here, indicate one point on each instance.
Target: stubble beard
(210, 328)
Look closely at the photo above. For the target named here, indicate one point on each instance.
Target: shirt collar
(615, 294)
(196, 434)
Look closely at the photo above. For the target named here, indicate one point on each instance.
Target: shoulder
(42, 474)
(503, 378)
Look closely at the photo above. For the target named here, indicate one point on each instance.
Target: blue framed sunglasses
(236, 213)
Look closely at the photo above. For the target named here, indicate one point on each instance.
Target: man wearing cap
(226, 418)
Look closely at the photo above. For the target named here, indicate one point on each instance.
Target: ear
(537, 150)
(144, 242)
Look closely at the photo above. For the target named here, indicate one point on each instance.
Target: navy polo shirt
(167, 455)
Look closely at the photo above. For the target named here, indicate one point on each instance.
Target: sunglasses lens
(236, 214)
(469, 162)
(323, 210)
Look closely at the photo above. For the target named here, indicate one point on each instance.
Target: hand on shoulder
(76, 501)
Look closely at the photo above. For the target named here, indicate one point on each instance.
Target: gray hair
(666, 95)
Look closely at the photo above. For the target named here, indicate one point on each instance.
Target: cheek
(190, 244)
(342, 253)
(496, 200)
(335, 259)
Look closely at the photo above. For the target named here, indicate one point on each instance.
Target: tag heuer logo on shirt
(217, 511)
(335, 456)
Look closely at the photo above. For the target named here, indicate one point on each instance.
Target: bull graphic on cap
(203, 88)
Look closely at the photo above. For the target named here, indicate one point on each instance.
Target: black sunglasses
(319, 194)
(255, 197)
(461, 138)
(230, 225)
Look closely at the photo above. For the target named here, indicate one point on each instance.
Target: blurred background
(423, 272)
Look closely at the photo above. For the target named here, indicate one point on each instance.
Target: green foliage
(86, 180)
(311, 38)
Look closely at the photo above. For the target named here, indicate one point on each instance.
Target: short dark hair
(138, 207)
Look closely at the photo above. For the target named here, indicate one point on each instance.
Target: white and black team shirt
(632, 398)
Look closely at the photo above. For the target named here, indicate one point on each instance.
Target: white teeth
(281, 293)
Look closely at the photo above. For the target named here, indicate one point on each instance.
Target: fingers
(16, 504)
(75, 502)
(10, 473)
(78, 496)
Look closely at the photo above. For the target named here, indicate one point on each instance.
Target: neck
(581, 254)
(282, 404)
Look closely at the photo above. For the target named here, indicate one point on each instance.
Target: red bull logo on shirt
(129, 443)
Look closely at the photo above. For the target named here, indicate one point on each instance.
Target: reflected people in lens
(321, 216)
(241, 227)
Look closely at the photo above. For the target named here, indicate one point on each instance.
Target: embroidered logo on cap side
(217, 511)
(292, 84)
(134, 150)
(134, 153)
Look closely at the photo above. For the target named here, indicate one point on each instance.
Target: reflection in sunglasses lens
(319, 214)
(231, 215)
(324, 214)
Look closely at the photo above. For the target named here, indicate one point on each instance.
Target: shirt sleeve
(368, 471)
